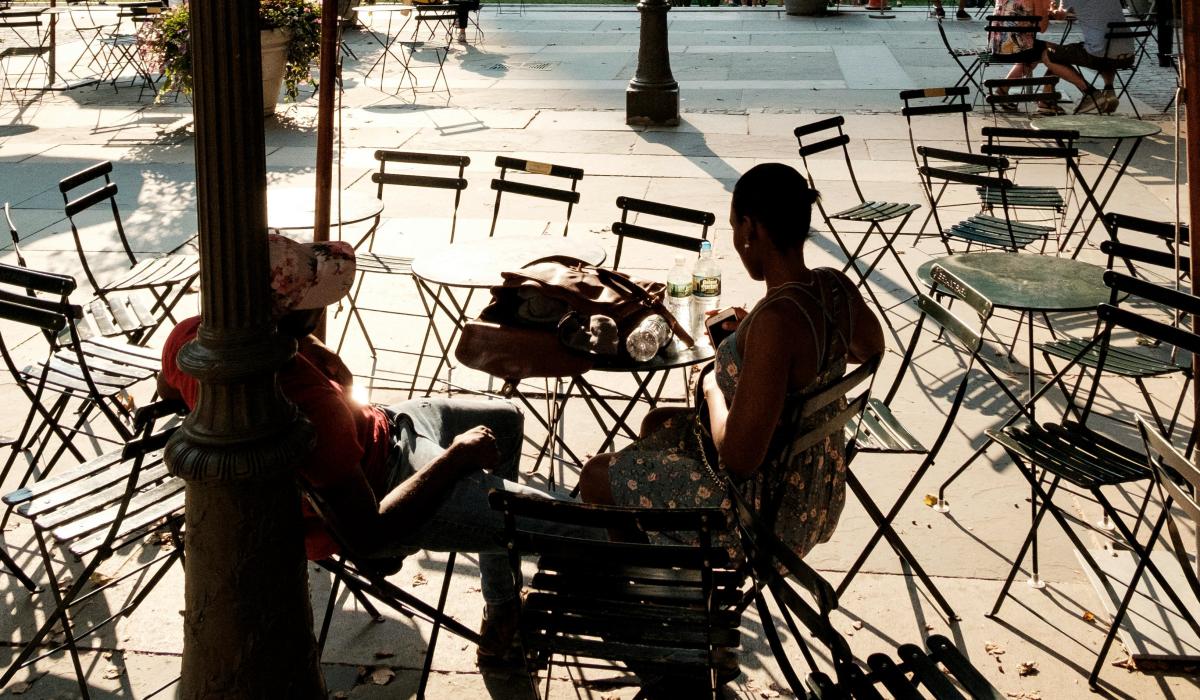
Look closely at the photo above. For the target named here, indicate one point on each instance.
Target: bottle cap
(680, 261)
(705, 247)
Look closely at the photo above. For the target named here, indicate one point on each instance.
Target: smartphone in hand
(715, 325)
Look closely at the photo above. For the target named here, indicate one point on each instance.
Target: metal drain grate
(528, 65)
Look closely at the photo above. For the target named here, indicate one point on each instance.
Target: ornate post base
(653, 94)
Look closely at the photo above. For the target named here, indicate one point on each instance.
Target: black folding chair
(626, 229)
(663, 611)
(1020, 25)
(365, 576)
(879, 431)
(826, 135)
(970, 61)
(1138, 32)
(166, 278)
(1042, 146)
(29, 41)
(1072, 452)
(1012, 95)
(91, 512)
(369, 262)
(509, 166)
(95, 373)
(117, 317)
(931, 102)
(1137, 363)
(942, 167)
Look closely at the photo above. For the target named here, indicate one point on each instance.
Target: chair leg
(776, 645)
(437, 626)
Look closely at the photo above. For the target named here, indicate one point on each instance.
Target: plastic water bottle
(706, 289)
(645, 340)
(679, 292)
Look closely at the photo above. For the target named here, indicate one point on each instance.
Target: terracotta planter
(274, 59)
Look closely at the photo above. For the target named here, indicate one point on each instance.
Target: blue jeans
(421, 429)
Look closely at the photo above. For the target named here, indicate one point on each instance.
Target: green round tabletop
(1099, 126)
(1026, 282)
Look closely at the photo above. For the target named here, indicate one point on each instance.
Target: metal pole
(325, 107)
(1190, 72)
(247, 623)
(653, 95)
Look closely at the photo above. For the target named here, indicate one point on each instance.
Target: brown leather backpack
(512, 343)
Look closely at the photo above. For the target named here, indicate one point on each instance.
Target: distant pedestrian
(961, 14)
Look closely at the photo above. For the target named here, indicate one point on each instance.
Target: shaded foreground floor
(549, 86)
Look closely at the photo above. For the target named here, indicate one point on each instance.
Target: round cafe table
(1104, 127)
(294, 208)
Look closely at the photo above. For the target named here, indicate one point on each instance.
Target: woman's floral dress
(665, 469)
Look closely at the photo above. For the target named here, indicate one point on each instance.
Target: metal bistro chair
(32, 43)
(661, 610)
(1137, 363)
(123, 49)
(826, 135)
(1023, 145)
(970, 61)
(166, 278)
(508, 166)
(1026, 25)
(116, 317)
(96, 372)
(1072, 452)
(364, 577)
(942, 166)
(1138, 32)
(878, 430)
(91, 512)
(370, 262)
(1011, 95)
(931, 102)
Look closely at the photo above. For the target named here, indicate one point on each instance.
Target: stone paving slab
(747, 79)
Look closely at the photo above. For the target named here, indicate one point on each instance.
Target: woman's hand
(739, 313)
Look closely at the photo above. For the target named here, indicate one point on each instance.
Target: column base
(652, 106)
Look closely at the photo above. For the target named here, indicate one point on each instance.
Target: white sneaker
(462, 36)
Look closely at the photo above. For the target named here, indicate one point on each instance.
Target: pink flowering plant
(165, 44)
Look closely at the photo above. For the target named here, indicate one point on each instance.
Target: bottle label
(706, 286)
(674, 289)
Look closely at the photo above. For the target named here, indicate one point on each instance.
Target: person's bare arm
(367, 525)
(866, 335)
(742, 432)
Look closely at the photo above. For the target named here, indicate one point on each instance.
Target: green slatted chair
(1024, 145)
(827, 135)
(1136, 363)
(930, 102)
(505, 184)
(879, 431)
(986, 230)
(664, 611)
(1071, 452)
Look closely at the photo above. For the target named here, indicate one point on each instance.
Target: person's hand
(475, 449)
(739, 313)
(326, 360)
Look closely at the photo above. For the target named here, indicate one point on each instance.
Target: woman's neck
(786, 269)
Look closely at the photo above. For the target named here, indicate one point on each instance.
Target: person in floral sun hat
(397, 479)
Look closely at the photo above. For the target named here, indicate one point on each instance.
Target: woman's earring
(745, 246)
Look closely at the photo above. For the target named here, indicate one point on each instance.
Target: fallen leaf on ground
(1028, 668)
(993, 648)
(999, 666)
(382, 675)
(928, 628)
(1026, 695)
(384, 654)
(112, 672)
(419, 579)
(1126, 663)
(858, 624)
(99, 579)
(1088, 616)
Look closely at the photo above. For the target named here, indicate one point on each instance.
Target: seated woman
(799, 336)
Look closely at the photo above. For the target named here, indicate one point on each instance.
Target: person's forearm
(410, 504)
(718, 415)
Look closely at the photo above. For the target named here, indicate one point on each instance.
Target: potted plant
(291, 40)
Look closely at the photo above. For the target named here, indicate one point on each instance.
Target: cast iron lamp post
(247, 623)
(653, 95)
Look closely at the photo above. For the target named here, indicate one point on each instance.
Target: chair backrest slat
(1162, 229)
(533, 166)
(47, 282)
(70, 182)
(1158, 258)
(669, 211)
(824, 145)
(540, 191)
(1172, 298)
(28, 315)
(91, 199)
(431, 181)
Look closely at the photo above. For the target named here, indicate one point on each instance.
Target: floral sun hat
(308, 275)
